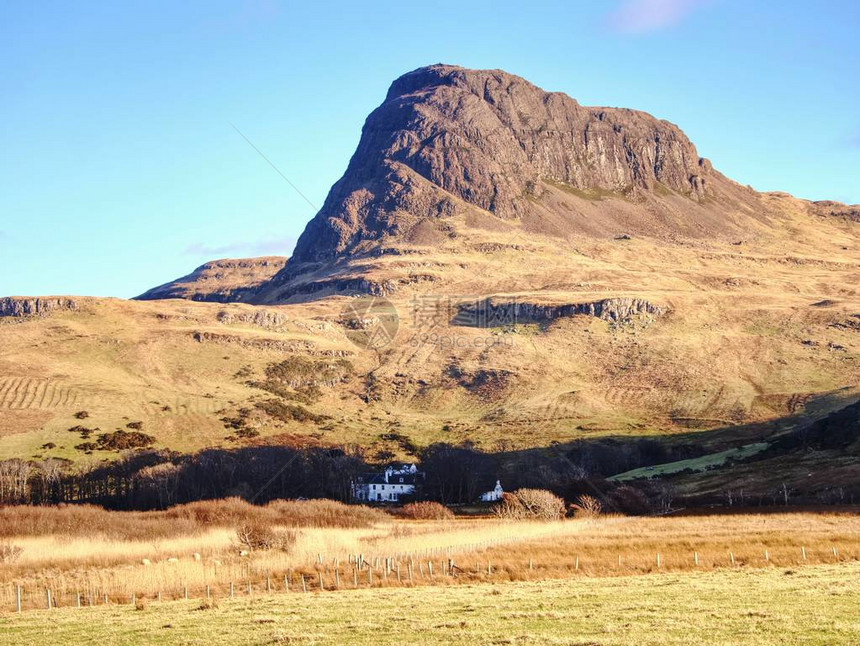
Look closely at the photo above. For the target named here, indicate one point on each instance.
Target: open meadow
(142, 577)
(814, 605)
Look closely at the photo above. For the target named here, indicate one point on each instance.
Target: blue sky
(120, 170)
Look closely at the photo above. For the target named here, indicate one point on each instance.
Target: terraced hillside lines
(36, 393)
(631, 395)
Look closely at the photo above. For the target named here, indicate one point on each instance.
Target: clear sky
(120, 170)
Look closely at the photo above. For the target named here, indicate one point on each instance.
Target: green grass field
(806, 605)
(710, 461)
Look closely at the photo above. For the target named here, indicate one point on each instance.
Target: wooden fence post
(321, 581)
(658, 559)
(803, 552)
(732, 557)
(304, 585)
(696, 558)
(576, 564)
(18, 598)
(185, 591)
(48, 598)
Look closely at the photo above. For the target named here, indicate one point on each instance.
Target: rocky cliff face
(492, 312)
(447, 138)
(39, 306)
(456, 161)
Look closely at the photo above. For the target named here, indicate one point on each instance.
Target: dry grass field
(174, 557)
(809, 606)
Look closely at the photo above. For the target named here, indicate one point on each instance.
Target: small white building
(391, 485)
(494, 494)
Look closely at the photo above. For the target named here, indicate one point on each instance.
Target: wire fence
(472, 563)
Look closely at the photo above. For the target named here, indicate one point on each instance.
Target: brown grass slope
(721, 306)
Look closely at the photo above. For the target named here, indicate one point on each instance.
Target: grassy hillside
(729, 335)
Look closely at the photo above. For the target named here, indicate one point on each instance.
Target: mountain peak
(448, 140)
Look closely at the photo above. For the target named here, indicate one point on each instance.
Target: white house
(391, 485)
(493, 495)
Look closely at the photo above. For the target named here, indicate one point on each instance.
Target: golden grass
(612, 546)
(732, 347)
(97, 566)
(813, 606)
(480, 549)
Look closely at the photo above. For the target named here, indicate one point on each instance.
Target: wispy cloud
(269, 246)
(643, 16)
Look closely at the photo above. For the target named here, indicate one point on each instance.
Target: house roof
(379, 478)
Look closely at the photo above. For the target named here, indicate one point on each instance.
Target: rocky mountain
(446, 139)
(553, 273)
(223, 280)
(457, 158)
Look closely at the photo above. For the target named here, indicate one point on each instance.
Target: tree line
(147, 478)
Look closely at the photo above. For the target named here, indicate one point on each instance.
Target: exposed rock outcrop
(492, 312)
(36, 306)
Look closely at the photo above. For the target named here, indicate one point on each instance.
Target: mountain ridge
(584, 304)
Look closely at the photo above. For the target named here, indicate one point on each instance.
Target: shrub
(538, 504)
(181, 520)
(121, 440)
(255, 536)
(289, 412)
(587, 507)
(510, 507)
(542, 504)
(9, 553)
(81, 414)
(426, 511)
